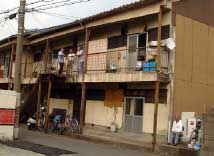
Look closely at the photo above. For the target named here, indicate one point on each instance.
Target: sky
(35, 20)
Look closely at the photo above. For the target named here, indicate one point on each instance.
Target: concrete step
(168, 150)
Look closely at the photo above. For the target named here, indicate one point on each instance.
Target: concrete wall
(148, 118)
(194, 67)
(98, 114)
(61, 104)
(7, 103)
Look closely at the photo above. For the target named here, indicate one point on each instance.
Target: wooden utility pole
(11, 66)
(18, 63)
(38, 103)
(83, 98)
(19, 47)
(46, 56)
(48, 105)
(157, 83)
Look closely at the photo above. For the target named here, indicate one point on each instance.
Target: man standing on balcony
(71, 57)
(61, 56)
(80, 55)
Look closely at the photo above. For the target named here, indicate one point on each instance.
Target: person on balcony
(61, 57)
(80, 56)
(71, 59)
(177, 131)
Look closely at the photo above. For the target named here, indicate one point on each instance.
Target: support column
(84, 87)
(48, 105)
(46, 56)
(157, 83)
(38, 103)
(11, 65)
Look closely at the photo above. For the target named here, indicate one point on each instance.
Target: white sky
(39, 20)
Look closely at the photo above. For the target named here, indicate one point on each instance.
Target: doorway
(136, 50)
(133, 114)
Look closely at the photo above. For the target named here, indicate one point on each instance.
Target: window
(117, 41)
(149, 95)
(154, 32)
(138, 107)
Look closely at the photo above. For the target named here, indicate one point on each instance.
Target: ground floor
(113, 108)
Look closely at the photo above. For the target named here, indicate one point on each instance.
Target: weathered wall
(194, 67)
(148, 118)
(199, 10)
(98, 114)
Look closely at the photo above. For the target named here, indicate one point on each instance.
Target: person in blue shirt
(61, 57)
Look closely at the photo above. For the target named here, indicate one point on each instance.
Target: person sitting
(177, 130)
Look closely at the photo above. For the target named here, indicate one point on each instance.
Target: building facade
(120, 55)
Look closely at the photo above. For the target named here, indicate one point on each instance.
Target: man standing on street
(177, 129)
(61, 56)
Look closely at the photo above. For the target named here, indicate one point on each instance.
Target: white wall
(98, 114)
(163, 113)
(7, 102)
(61, 104)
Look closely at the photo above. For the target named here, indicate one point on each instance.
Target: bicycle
(71, 124)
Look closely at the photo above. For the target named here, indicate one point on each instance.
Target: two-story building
(120, 55)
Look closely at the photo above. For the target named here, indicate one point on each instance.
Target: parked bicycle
(71, 124)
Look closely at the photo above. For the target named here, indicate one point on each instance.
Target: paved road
(10, 151)
(81, 147)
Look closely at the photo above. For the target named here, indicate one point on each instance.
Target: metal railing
(110, 61)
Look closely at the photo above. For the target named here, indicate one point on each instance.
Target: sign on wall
(7, 116)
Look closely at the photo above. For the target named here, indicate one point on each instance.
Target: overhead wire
(55, 5)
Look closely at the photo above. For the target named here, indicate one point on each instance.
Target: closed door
(133, 115)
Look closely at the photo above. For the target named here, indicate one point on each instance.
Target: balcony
(126, 65)
(119, 65)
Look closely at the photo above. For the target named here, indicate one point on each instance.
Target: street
(79, 147)
(10, 151)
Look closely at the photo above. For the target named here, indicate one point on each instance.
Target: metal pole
(83, 99)
(157, 83)
(17, 77)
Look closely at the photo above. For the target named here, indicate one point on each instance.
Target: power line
(59, 15)
(55, 5)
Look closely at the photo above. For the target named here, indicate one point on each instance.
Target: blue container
(146, 69)
(149, 66)
(146, 64)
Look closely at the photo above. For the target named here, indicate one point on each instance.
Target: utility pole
(18, 62)
(157, 83)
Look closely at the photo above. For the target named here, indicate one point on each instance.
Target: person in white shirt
(80, 55)
(61, 57)
(177, 130)
(71, 57)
